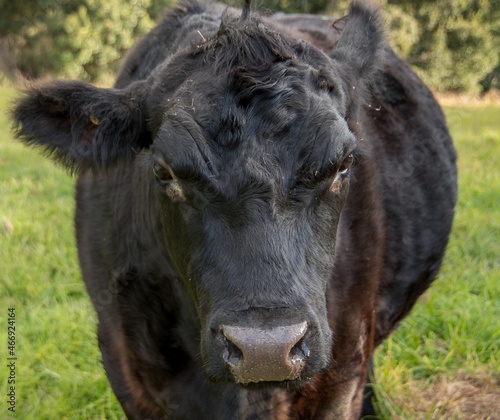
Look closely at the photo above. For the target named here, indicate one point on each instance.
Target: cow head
(247, 137)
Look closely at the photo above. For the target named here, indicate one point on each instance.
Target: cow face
(253, 170)
(249, 145)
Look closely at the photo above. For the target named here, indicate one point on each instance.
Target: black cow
(259, 203)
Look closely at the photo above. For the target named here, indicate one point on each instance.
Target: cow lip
(293, 385)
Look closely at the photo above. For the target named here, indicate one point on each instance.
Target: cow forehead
(244, 127)
(282, 108)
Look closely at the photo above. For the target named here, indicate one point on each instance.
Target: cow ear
(359, 52)
(82, 126)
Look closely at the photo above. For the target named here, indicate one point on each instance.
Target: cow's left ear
(359, 52)
(82, 126)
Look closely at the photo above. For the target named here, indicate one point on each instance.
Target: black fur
(215, 189)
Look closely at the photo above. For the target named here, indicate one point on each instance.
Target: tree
(452, 44)
(71, 38)
(454, 47)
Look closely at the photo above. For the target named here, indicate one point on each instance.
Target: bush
(455, 47)
(452, 44)
(71, 38)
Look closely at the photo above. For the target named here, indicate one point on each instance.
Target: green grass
(59, 373)
(453, 333)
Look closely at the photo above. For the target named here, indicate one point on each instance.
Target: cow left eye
(168, 183)
(346, 164)
(162, 173)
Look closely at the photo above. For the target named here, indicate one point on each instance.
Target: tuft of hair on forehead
(248, 43)
(245, 13)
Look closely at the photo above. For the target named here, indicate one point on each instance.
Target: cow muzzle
(266, 346)
(265, 354)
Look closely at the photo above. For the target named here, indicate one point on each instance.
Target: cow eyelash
(335, 171)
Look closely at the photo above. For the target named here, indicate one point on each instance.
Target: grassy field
(443, 361)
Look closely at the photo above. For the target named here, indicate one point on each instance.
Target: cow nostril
(232, 352)
(299, 351)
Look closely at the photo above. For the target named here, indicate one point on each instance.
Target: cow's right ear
(359, 53)
(82, 126)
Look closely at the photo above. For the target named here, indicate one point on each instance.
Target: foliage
(452, 44)
(71, 38)
(457, 43)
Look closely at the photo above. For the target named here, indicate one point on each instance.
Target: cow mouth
(293, 385)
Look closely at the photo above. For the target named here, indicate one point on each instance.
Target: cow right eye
(346, 164)
(163, 174)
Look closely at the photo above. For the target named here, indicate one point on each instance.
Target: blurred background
(454, 45)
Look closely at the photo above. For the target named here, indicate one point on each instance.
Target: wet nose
(259, 354)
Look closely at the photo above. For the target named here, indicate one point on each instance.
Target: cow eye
(346, 164)
(162, 173)
(168, 183)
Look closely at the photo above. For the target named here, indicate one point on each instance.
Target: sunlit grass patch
(455, 329)
(59, 372)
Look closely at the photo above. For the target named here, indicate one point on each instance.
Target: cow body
(247, 218)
